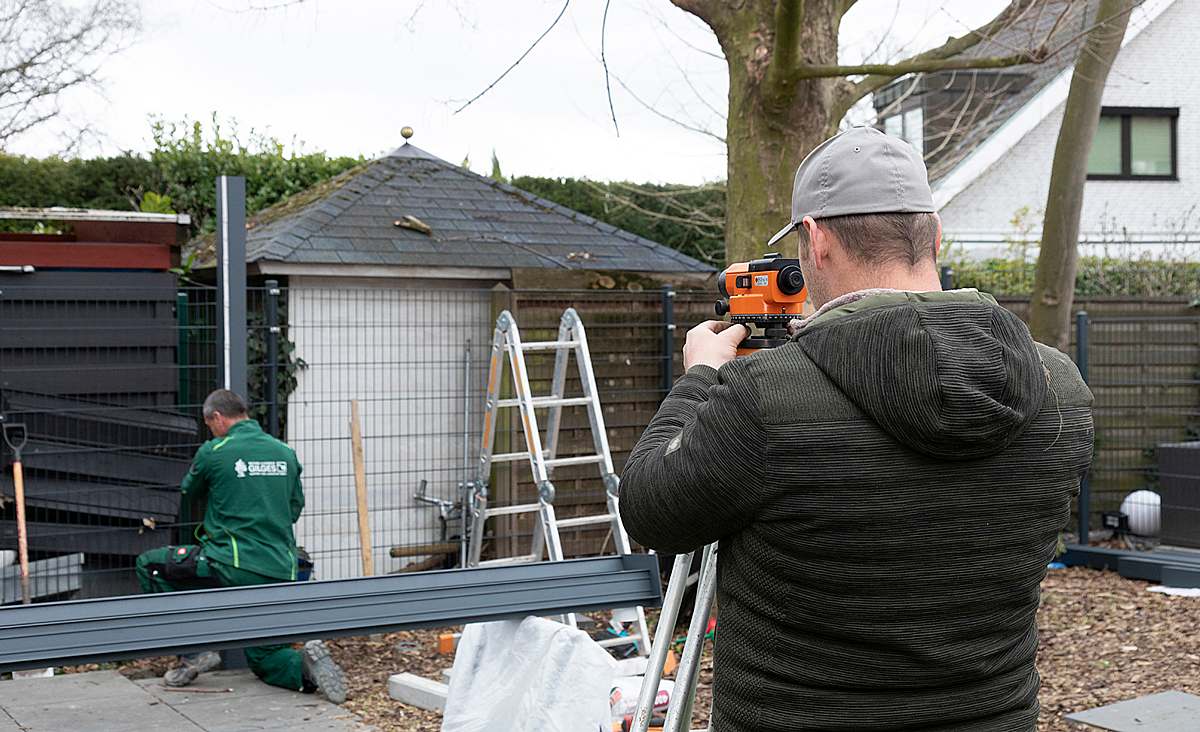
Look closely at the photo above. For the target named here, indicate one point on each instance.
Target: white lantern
(1142, 508)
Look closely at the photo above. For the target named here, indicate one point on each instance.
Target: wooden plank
(58, 538)
(87, 255)
(86, 497)
(81, 286)
(86, 332)
(360, 491)
(137, 379)
(113, 463)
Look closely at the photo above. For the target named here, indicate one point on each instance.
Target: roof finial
(406, 132)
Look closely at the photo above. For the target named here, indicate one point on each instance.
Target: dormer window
(909, 126)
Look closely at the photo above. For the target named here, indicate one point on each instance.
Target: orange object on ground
(671, 663)
(446, 643)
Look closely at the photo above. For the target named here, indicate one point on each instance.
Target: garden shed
(392, 276)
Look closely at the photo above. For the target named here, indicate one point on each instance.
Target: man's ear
(819, 242)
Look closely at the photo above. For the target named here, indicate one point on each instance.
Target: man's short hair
(883, 238)
(226, 402)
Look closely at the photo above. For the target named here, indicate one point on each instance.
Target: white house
(989, 138)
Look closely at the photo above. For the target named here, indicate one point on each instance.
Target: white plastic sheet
(535, 675)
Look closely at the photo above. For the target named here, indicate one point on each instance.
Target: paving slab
(7, 723)
(222, 701)
(1170, 711)
(99, 700)
(251, 705)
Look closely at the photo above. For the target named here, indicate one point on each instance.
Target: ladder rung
(548, 402)
(507, 510)
(618, 640)
(584, 520)
(574, 460)
(547, 345)
(510, 457)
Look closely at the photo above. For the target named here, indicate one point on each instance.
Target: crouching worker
(887, 487)
(251, 483)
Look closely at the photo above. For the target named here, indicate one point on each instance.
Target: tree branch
(914, 66)
(604, 63)
(851, 92)
(781, 74)
(845, 7)
(519, 58)
(710, 11)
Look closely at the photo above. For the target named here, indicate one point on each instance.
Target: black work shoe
(321, 671)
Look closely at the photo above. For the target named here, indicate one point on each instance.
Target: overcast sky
(344, 76)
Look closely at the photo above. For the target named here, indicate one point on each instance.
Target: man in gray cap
(887, 487)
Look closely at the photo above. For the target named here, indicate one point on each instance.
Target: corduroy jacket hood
(949, 374)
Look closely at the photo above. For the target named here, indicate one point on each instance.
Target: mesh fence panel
(109, 381)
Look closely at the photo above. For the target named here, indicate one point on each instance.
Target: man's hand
(713, 343)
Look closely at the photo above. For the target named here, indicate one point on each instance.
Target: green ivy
(289, 365)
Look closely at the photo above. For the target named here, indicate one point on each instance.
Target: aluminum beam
(93, 631)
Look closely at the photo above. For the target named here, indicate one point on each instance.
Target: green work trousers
(278, 665)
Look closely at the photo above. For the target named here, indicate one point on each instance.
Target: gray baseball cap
(859, 171)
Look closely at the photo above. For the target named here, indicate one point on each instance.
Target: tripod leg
(679, 713)
(663, 637)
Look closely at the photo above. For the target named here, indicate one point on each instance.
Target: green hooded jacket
(251, 482)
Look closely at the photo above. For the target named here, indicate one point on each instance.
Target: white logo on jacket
(261, 468)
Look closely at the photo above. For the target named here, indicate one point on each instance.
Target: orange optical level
(766, 293)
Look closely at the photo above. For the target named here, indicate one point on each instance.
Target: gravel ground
(1103, 639)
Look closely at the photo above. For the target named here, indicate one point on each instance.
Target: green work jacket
(251, 482)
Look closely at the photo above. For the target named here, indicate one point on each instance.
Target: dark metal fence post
(1081, 361)
(273, 357)
(947, 273)
(668, 339)
(231, 281)
(183, 399)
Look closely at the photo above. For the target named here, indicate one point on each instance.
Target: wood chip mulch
(1104, 639)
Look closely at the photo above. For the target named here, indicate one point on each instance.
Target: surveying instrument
(766, 294)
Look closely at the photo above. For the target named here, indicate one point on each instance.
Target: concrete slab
(418, 691)
(100, 700)
(251, 705)
(105, 701)
(1169, 711)
(7, 723)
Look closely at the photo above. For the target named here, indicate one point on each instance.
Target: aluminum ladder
(543, 454)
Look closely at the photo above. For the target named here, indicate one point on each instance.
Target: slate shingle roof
(475, 222)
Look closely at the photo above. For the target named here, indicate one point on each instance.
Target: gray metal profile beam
(92, 631)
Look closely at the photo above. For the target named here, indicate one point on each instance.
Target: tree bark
(787, 94)
(1058, 258)
(774, 120)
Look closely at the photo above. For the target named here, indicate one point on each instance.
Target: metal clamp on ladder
(543, 454)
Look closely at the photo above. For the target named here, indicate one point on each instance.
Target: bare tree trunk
(772, 126)
(1058, 259)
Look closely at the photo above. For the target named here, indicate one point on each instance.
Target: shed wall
(398, 346)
